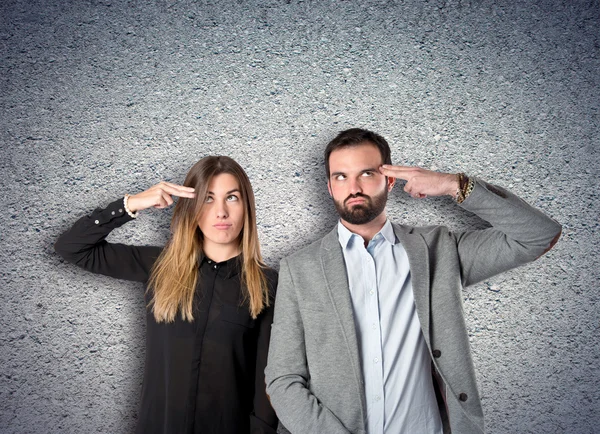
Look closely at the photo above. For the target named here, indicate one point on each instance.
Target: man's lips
(356, 201)
(222, 226)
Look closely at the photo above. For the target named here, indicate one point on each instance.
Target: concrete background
(103, 97)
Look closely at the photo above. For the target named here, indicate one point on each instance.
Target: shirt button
(113, 213)
(120, 209)
(209, 261)
(97, 221)
(377, 398)
(376, 360)
(436, 353)
(371, 292)
(463, 397)
(374, 326)
(215, 267)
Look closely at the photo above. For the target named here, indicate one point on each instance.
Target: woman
(209, 297)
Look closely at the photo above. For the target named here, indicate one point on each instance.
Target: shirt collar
(227, 269)
(345, 235)
(388, 232)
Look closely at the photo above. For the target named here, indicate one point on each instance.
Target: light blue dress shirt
(395, 362)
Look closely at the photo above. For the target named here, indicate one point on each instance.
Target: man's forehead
(355, 156)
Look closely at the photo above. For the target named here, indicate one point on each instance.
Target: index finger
(400, 172)
(183, 187)
(178, 190)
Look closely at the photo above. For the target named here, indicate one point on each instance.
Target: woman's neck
(220, 252)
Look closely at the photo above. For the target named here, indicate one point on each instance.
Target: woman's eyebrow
(229, 192)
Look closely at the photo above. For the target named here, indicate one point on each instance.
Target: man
(368, 334)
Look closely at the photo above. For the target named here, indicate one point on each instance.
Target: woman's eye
(208, 199)
(232, 198)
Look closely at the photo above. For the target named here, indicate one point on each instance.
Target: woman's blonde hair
(175, 273)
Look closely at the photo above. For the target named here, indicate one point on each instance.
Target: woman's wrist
(129, 206)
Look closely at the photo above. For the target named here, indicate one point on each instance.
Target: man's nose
(355, 186)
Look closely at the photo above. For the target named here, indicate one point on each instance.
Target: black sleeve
(264, 420)
(84, 245)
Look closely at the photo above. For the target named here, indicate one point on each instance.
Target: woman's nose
(221, 210)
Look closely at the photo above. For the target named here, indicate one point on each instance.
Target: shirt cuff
(113, 214)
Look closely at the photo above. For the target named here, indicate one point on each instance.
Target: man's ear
(329, 188)
(390, 183)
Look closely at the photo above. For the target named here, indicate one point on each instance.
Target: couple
(366, 334)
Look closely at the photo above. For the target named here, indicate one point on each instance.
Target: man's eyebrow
(369, 170)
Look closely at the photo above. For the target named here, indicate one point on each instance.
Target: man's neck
(368, 230)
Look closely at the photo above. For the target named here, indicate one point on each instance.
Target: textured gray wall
(104, 97)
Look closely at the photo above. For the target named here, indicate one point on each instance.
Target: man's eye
(340, 177)
(232, 197)
(367, 174)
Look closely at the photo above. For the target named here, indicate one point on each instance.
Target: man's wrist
(465, 187)
(454, 185)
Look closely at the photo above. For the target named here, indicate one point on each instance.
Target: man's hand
(421, 183)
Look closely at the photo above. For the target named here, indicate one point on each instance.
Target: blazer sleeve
(287, 372)
(85, 245)
(263, 419)
(519, 234)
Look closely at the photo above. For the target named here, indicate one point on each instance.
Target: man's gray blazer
(313, 373)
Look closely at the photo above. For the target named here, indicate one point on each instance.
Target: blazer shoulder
(425, 231)
(307, 252)
(313, 250)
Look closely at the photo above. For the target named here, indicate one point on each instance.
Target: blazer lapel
(418, 259)
(334, 270)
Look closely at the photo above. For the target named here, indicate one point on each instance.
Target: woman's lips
(222, 226)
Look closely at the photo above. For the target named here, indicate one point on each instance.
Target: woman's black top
(205, 376)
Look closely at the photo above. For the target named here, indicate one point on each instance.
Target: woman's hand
(159, 196)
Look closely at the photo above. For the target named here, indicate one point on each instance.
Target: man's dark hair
(355, 137)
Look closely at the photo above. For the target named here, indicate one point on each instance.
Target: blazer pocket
(237, 315)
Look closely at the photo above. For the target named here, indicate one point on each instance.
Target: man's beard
(362, 213)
